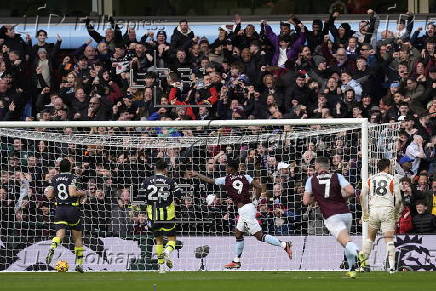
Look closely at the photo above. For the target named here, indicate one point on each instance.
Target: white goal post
(112, 157)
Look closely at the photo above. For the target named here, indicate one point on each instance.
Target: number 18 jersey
(60, 183)
(383, 190)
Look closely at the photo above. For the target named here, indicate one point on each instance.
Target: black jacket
(180, 40)
(424, 223)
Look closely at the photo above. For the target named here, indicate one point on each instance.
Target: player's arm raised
(202, 177)
(308, 195)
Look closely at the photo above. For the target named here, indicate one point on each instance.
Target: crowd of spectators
(325, 71)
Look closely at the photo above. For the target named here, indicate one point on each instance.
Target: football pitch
(222, 281)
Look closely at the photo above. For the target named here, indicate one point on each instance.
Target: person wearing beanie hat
(318, 60)
(161, 39)
(162, 32)
(320, 72)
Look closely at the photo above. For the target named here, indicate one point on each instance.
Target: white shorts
(382, 218)
(247, 219)
(338, 222)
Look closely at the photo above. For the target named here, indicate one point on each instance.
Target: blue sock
(351, 251)
(239, 247)
(272, 240)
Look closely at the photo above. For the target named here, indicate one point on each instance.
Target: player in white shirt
(381, 203)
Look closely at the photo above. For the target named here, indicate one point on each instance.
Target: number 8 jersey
(383, 190)
(60, 183)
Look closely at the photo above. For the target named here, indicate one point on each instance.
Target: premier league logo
(413, 256)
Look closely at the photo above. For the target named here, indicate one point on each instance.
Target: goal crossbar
(183, 123)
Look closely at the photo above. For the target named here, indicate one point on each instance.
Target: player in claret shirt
(330, 191)
(238, 187)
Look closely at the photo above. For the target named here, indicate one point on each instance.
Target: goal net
(110, 159)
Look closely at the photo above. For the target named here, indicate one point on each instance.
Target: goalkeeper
(159, 191)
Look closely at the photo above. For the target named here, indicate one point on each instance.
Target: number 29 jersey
(60, 183)
(383, 190)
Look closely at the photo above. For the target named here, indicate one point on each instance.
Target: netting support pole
(364, 171)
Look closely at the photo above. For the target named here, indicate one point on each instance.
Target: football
(62, 266)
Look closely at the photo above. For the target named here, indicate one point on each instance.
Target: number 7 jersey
(326, 189)
(383, 190)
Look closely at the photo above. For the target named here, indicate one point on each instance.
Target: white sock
(390, 248)
(367, 247)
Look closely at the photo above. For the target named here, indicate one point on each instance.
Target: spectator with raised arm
(284, 48)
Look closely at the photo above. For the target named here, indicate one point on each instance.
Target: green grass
(222, 281)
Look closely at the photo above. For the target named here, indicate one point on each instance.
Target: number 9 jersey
(237, 187)
(60, 184)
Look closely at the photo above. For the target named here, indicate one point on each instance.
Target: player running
(63, 187)
(237, 187)
(159, 193)
(382, 204)
(326, 188)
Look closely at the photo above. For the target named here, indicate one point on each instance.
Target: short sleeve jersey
(60, 184)
(237, 187)
(326, 189)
